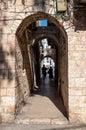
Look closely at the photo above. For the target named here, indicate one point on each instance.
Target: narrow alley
(43, 106)
(37, 33)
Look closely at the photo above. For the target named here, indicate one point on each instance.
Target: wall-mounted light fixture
(61, 9)
(61, 5)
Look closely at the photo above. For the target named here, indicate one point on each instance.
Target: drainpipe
(55, 6)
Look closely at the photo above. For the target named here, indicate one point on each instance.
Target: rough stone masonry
(14, 83)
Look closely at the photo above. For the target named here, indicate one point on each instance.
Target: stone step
(41, 121)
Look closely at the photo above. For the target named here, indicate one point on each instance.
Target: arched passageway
(19, 42)
(28, 57)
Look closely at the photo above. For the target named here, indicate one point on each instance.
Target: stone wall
(64, 80)
(22, 87)
(15, 81)
(77, 75)
(7, 76)
(7, 68)
(13, 92)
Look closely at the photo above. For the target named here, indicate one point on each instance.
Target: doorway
(28, 45)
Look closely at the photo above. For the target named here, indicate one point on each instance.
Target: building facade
(18, 38)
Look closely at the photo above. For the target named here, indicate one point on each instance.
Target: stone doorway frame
(21, 32)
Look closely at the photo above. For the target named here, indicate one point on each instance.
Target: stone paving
(43, 107)
(43, 127)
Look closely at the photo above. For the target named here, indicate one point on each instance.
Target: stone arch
(39, 16)
(62, 46)
(20, 33)
(49, 36)
(50, 56)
